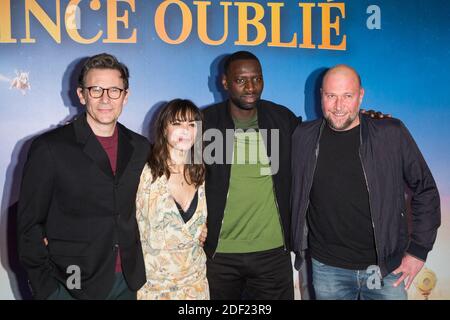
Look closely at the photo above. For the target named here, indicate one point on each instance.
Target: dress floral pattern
(175, 263)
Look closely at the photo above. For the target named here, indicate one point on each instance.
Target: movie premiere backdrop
(174, 49)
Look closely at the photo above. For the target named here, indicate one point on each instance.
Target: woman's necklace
(176, 175)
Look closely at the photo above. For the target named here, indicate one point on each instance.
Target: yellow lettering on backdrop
(54, 29)
(203, 24)
(5, 22)
(244, 22)
(71, 26)
(161, 26)
(251, 31)
(327, 25)
(113, 19)
(307, 25)
(276, 28)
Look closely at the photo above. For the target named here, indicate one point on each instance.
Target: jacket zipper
(368, 193)
(312, 177)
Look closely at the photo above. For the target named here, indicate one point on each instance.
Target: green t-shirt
(251, 221)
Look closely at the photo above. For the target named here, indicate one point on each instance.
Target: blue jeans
(332, 283)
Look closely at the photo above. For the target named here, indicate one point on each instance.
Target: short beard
(347, 123)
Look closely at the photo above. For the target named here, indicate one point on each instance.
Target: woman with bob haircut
(171, 207)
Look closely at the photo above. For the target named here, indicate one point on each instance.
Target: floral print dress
(175, 263)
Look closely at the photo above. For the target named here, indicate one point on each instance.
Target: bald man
(348, 198)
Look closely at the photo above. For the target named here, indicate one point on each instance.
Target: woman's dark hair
(177, 110)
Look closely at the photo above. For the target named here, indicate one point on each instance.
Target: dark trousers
(119, 291)
(264, 275)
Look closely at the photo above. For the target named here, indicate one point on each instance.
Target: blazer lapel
(91, 146)
(124, 151)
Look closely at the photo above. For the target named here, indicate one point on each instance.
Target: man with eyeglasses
(78, 235)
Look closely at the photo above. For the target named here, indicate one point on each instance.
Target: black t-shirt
(341, 232)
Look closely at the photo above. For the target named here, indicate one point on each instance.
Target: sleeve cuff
(417, 251)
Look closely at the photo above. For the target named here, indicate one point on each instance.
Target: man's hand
(45, 241)
(409, 268)
(375, 114)
(203, 235)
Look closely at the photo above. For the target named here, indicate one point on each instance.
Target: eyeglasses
(97, 92)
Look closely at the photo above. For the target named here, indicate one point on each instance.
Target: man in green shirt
(248, 193)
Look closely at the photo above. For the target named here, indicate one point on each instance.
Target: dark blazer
(270, 116)
(70, 196)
